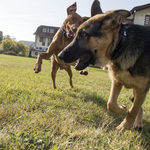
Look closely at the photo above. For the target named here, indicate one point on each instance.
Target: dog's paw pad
(138, 128)
(131, 98)
(37, 71)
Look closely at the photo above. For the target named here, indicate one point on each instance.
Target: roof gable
(40, 32)
(138, 8)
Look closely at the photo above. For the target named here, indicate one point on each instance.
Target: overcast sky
(20, 18)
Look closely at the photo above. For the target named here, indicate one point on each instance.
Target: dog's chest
(125, 78)
(122, 77)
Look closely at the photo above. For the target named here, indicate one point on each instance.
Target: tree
(21, 48)
(8, 45)
(9, 37)
(17, 47)
(1, 36)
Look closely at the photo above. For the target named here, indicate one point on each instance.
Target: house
(140, 15)
(43, 38)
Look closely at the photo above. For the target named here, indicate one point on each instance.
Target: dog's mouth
(84, 61)
(69, 32)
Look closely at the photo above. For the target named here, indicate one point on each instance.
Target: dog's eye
(82, 34)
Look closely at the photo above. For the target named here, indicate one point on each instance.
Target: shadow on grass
(97, 99)
(96, 117)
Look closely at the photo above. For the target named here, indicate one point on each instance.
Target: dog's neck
(123, 42)
(62, 30)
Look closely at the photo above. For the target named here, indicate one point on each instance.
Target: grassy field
(34, 116)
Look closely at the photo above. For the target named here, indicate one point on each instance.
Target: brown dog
(104, 39)
(61, 39)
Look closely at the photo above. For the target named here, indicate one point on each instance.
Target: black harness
(63, 32)
(124, 41)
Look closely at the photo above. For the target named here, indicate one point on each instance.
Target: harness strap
(63, 32)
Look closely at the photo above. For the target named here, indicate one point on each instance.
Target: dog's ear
(96, 8)
(113, 19)
(72, 8)
(122, 15)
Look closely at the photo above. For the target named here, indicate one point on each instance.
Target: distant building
(43, 38)
(140, 15)
(1, 35)
(30, 44)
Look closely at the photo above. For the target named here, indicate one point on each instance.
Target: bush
(10, 53)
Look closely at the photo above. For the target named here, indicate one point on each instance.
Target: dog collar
(124, 41)
(63, 32)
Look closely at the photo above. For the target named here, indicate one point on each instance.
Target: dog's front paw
(118, 109)
(124, 126)
(37, 68)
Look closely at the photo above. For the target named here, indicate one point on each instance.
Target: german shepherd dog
(125, 48)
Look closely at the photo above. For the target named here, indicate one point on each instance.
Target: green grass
(34, 116)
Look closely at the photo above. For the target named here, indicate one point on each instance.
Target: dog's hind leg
(135, 111)
(138, 124)
(83, 72)
(69, 71)
(54, 69)
(131, 98)
(112, 102)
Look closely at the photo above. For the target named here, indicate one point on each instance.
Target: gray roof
(28, 43)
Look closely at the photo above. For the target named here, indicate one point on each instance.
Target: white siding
(139, 17)
(35, 53)
(39, 44)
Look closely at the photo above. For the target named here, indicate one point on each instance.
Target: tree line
(10, 44)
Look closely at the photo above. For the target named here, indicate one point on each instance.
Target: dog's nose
(63, 56)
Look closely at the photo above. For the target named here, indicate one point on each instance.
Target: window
(147, 20)
(47, 30)
(51, 30)
(36, 53)
(44, 29)
(43, 43)
(49, 41)
(42, 39)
